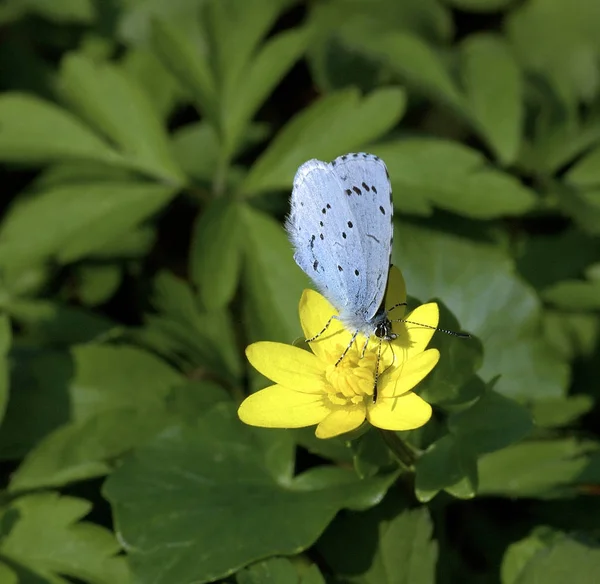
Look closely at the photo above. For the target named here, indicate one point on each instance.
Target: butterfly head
(383, 330)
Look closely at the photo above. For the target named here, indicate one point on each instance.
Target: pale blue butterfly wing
(341, 228)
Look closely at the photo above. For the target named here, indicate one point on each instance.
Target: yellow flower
(310, 389)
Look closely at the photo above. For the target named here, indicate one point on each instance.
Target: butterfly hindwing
(367, 187)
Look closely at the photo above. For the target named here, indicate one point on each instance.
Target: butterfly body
(341, 228)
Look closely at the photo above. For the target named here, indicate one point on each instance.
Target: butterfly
(341, 227)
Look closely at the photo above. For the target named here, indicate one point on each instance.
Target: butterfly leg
(364, 349)
(377, 375)
(346, 349)
(323, 330)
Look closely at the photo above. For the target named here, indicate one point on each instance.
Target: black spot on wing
(357, 190)
(365, 186)
(348, 192)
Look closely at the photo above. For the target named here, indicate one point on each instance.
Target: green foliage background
(147, 150)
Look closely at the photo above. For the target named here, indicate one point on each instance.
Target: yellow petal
(404, 377)
(395, 293)
(315, 312)
(280, 407)
(341, 420)
(287, 365)
(414, 336)
(406, 412)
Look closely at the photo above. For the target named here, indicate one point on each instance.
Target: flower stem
(400, 450)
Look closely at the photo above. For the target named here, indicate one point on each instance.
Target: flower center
(353, 379)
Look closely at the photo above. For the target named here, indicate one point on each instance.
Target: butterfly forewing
(321, 228)
(340, 226)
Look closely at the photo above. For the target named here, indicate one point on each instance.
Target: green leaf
(184, 332)
(586, 172)
(533, 469)
(137, 18)
(547, 259)
(479, 5)
(263, 74)
(493, 88)
(574, 295)
(162, 89)
(388, 546)
(572, 334)
(312, 576)
(561, 412)
(84, 450)
(559, 135)
(452, 381)
(97, 283)
(116, 377)
(277, 571)
(7, 575)
(42, 402)
(196, 148)
(273, 283)
(371, 454)
(557, 40)
(188, 65)
(195, 482)
(116, 105)
(63, 11)
(50, 540)
(34, 131)
(566, 559)
(447, 464)
(491, 423)
(453, 177)
(583, 206)
(117, 399)
(77, 172)
(506, 317)
(216, 252)
(51, 323)
(418, 63)
(5, 342)
(351, 123)
(520, 553)
(337, 53)
(248, 24)
(70, 222)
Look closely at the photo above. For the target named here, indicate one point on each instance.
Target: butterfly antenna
(435, 328)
